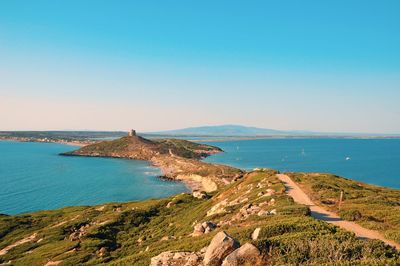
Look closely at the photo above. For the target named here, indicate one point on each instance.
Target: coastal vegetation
(373, 207)
(144, 149)
(133, 233)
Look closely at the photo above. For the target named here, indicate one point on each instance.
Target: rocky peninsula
(178, 159)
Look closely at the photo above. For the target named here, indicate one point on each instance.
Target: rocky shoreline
(178, 160)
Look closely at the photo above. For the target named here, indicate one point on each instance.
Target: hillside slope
(253, 210)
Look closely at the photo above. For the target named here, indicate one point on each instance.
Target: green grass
(291, 237)
(373, 207)
(144, 148)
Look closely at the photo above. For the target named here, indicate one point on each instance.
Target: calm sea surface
(34, 177)
(375, 161)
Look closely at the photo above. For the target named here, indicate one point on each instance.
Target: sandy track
(293, 190)
(19, 242)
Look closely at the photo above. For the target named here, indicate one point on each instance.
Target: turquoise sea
(374, 161)
(34, 177)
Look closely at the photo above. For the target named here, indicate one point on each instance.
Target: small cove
(35, 177)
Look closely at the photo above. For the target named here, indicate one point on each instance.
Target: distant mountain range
(244, 131)
(230, 130)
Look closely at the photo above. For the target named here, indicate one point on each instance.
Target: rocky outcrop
(203, 228)
(207, 183)
(178, 159)
(200, 195)
(221, 246)
(247, 254)
(169, 258)
(223, 250)
(79, 233)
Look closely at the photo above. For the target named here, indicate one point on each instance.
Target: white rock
(256, 233)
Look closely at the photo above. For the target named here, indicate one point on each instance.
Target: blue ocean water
(34, 177)
(374, 161)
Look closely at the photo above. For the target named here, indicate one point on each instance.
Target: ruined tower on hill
(131, 133)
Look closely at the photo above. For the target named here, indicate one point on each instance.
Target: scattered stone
(264, 203)
(273, 212)
(169, 205)
(262, 213)
(78, 233)
(221, 246)
(272, 202)
(103, 252)
(203, 228)
(169, 258)
(218, 208)
(166, 238)
(208, 226)
(198, 230)
(53, 263)
(256, 233)
(247, 254)
(199, 195)
(253, 209)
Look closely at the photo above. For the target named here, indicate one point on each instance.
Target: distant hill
(244, 131)
(136, 147)
(227, 130)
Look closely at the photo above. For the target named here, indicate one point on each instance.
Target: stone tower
(131, 133)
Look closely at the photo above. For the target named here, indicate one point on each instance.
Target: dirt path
(19, 242)
(319, 213)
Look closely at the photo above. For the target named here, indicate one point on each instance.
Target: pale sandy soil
(19, 242)
(320, 213)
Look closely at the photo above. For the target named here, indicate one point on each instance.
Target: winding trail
(293, 190)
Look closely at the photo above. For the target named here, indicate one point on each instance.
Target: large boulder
(221, 246)
(245, 255)
(169, 258)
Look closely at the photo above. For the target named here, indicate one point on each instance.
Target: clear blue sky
(309, 65)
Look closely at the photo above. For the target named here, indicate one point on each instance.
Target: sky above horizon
(329, 66)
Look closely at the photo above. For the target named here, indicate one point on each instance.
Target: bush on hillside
(350, 215)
